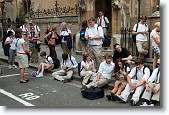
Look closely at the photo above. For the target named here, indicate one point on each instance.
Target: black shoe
(83, 87)
(132, 102)
(113, 98)
(65, 81)
(108, 97)
(23, 81)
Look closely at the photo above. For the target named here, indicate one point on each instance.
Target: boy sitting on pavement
(104, 73)
(68, 65)
(152, 87)
(46, 65)
(142, 74)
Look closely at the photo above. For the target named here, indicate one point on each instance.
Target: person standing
(36, 28)
(103, 22)
(53, 36)
(33, 37)
(24, 30)
(66, 42)
(155, 38)
(10, 28)
(21, 53)
(12, 50)
(94, 35)
(141, 36)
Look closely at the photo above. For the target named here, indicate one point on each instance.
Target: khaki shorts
(22, 60)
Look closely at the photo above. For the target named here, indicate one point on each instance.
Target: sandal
(24, 81)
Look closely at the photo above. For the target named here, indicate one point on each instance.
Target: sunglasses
(144, 21)
(158, 31)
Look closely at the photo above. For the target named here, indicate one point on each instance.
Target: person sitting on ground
(151, 95)
(46, 65)
(68, 64)
(104, 73)
(142, 74)
(87, 68)
(121, 71)
(122, 53)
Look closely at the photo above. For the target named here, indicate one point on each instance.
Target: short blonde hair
(54, 27)
(157, 24)
(63, 23)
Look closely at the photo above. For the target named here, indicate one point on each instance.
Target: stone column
(90, 8)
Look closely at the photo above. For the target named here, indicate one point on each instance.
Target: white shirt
(37, 29)
(88, 64)
(24, 29)
(48, 59)
(154, 76)
(66, 32)
(13, 44)
(153, 35)
(141, 28)
(106, 69)
(140, 74)
(68, 63)
(103, 24)
(92, 32)
(19, 47)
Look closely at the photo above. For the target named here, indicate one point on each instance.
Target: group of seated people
(128, 81)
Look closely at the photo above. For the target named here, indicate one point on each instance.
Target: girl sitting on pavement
(46, 65)
(87, 69)
(121, 72)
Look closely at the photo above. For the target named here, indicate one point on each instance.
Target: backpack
(56, 62)
(79, 68)
(82, 35)
(6, 49)
(93, 93)
(106, 41)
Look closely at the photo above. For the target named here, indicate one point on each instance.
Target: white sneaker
(151, 105)
(40, 75)
(14, 66)
(144, 104)
(60, 78)
(10, 66)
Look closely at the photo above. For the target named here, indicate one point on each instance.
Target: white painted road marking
(11, 75)
(15, 98)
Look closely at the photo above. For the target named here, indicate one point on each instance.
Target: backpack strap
(158, 72)
(105, 20)
(71, 60)
(137, 27)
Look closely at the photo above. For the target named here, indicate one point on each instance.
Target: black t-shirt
(123, 54)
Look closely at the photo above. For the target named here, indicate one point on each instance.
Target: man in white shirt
(141, 36)
(24, 30)
(94, 35)
(68, 64)
(103, 22)
(104, 73)
(37, 29)
(142, 74)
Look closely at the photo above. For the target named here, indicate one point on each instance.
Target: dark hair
(43, 53)
(116, 45)
(64, 56)
(9, 33)
(84, 24)
(9, 25)
(139, 61)
(18, 33)
(117, 68)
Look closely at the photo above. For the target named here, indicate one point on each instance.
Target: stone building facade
(121, 13)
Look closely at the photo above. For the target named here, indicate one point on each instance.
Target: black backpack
(79, 67)
(56, 62)
(82, 35)
(93, 93)
(106, 41)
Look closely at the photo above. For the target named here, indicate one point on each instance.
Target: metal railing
(127, 42)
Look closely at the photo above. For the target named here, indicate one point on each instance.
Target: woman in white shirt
(155, 37)
(21, 51)
(87, 68)
(11, 40)
(121, 71)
